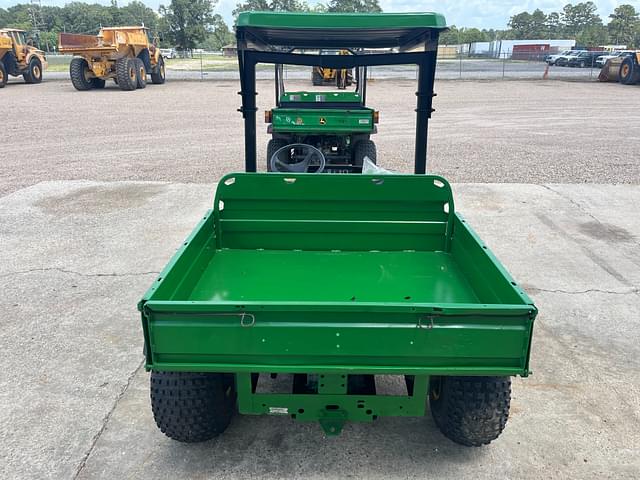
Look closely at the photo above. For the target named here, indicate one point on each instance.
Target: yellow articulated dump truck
(124, 54)
(18, 57)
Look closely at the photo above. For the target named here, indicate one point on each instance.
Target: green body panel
(329, 21)
(280, 277)
(324, 121)
(320, 97)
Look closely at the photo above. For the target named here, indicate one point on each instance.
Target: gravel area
(482, 131)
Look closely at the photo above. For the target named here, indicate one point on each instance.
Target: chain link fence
(215, 66)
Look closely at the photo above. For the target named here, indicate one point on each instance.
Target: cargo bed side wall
(178, 279)
(337, 212)
(491, 283)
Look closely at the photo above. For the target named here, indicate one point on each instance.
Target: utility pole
(35, 16)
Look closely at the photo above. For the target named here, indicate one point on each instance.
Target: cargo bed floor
(278, 275)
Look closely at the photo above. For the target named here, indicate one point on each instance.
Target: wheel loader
(124, 54)
(18, 57)
(624, 69)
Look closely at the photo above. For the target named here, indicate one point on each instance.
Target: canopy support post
(248, 109)
(426, 74)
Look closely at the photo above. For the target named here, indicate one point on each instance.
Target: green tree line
(580, 22)
(188, 24)
(184, 24)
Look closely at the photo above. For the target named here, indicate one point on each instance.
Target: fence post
(201, 69)
(460, 54)
(504, 61)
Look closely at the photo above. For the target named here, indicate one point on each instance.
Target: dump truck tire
(158, 73)
(34, 71)
(192, 407)
(3, 75)
(273, 146)
(98, 83)
(629, 72)
(471, 411)
(78, 71)
(141, 73)
(126, 73)
(364, 148)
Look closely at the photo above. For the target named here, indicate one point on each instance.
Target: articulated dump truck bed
(336, 274)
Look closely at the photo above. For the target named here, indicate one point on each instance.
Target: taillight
(268, 116)
(376, 117)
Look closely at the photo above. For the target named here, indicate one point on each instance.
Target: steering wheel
(297, 158)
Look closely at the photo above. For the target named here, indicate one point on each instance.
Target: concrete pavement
(77, 255)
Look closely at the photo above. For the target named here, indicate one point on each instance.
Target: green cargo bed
(336, 273)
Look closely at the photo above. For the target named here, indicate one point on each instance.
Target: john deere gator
(332, 285)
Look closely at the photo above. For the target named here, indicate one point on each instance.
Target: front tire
(158, 73)
(192, 407)
(471, 411)
(3, 75)
(629, 72)
(126, 73)
(316, 78)
(79, 73)
(34, 71)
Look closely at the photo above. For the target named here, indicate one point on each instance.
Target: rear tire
(3, 75)
(364, 148)
(126, 73)
(158, 73)
(141, 74)
(34, 71)
(471, 411)
(273, 146)
(78, 71)
(192, 407)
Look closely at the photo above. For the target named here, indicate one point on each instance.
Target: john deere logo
(322, 121)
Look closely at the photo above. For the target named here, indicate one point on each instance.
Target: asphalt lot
(95, 209)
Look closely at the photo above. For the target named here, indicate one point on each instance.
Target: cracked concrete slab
(75, 401)
(70, 276)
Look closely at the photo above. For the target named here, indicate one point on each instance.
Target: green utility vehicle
(336, 285)
(338, 124)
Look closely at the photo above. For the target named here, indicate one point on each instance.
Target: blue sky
(469, 13)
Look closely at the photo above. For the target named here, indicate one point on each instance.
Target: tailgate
(295, 338)
(322, 120)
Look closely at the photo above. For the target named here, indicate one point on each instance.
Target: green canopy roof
(341, 30)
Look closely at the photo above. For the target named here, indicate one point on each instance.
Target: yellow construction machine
(342, 78)
(19, 57)
(125, 54)
(625, 68)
